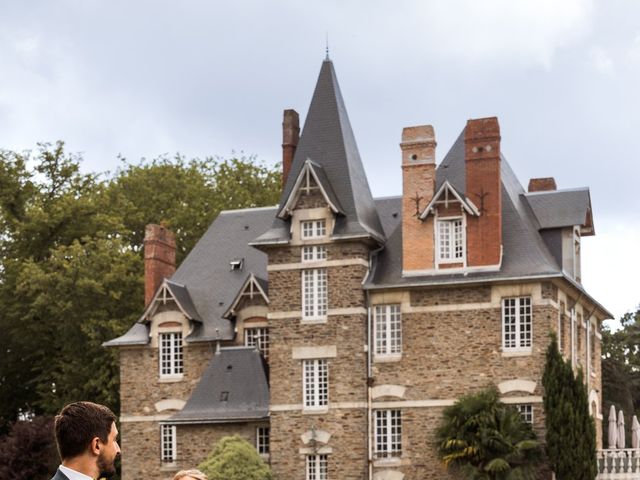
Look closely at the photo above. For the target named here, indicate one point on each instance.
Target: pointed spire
(327, 139)
(327, 47)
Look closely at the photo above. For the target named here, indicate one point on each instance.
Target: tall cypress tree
(570, 437)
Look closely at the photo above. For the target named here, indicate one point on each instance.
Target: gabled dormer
(312, 206)
(564, 217)
(450, 210)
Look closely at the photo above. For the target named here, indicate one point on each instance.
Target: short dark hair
(80, 422)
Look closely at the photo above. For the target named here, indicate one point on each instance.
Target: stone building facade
(333, 329)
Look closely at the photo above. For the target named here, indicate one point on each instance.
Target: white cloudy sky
(147, 77)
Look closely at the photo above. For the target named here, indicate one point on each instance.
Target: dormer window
(236, 264)
(313, 229)
(450, 240)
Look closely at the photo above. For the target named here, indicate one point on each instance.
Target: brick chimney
(290, 137)
(484, 189)
(159, 258)
(418, 184)
(542, 184)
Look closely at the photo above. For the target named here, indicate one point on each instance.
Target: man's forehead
(114, 429)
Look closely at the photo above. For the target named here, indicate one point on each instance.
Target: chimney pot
(542, 184)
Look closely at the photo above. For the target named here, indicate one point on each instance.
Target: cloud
(473, 33)
(601, 60)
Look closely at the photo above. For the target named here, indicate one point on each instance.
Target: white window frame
(516, 323)
(387, 330)
(315, 296)
(317, 467)
(168, 444)
(526, 411)
(315, 384)
(170, 354)
(262, 440)
(313, 253)
(312, 229)
(452, 241)
(257, 337)
(388, 433)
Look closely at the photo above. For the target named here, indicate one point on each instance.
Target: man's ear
(95, 446)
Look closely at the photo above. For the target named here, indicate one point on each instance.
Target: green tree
(233, 458)
(621, 367)
(71, 267)
(485, 439)
(186, 196)
(570, 430)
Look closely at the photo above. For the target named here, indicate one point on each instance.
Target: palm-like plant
(487, 440)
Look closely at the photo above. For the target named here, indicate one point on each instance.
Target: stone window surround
(518, 348)
(451, 220)
(316, 467)
(300, 215)
(262, 440)
(168, 445)
(257, 336)
(313, 229)
(315, 385)
(176, 356)
(389, 436)
(526, 410)
(315, 294)
(392, 351)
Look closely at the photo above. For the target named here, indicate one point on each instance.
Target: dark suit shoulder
(60, 476)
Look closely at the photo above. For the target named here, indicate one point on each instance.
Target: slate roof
(206, 277)
(327, 140)
(234, 387)
(561, 208)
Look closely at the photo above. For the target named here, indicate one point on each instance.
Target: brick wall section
(139, 386)
(483, 187)
(449, 296)
(195, 442)
(141, 447)
(448, 354)
(312, 198)
(348, 460)
(347, 371)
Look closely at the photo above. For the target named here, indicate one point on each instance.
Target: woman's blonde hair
(197, 474)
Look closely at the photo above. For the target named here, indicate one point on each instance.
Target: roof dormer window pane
(450, 241)
(313, 228)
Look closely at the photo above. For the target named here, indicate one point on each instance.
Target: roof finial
(327, 45)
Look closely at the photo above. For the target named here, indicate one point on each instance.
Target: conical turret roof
(327, 140)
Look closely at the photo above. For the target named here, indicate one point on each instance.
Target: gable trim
(307, 169)
(164, 294)
(445, 189)
(250, 283)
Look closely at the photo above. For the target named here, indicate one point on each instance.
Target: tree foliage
(28, 451)
(233, 458)
(485, 439)
(71, 266)
(621, 368)
(570, 430)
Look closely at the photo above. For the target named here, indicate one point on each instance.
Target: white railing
(619, 464)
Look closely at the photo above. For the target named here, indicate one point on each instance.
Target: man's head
(87, 431)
